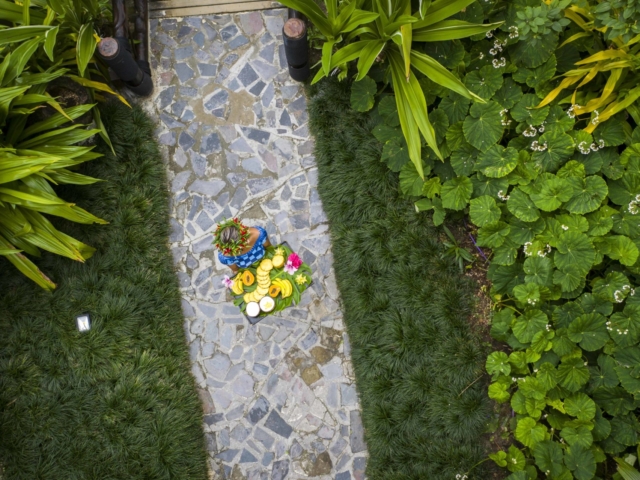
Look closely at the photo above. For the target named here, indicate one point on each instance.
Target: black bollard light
(296, 46)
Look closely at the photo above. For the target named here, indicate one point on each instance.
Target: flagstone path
(279, 397)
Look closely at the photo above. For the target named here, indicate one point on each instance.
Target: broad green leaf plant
(392, 33)
(48, 40)
(552, 188)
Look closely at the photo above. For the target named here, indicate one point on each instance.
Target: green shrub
(553, 186)
(45, 42)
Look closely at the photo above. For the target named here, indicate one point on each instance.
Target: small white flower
(571, 111)
(489, 34)
(584, 148)
(618, 296)
(565, 228)
(502, 196)
(481, 55)
(530, 131)
(527, 249)
(499, 63)
(493, 52)
(513, 31)
(595, 120)
(541, 128)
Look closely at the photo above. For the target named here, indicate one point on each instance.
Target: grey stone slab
(258, 411)
(228, 455)
(170, 122)
(247, 457)
(247, 75)
(264, 438)
(276, 424)
(199, 39)
(267, 458)
(207, 70)
(229, 32)
(183, 53)
(357, 433)
(256, 135)
(258, 185)
(184, 72)
(205, 187)
(280, 470)
(165, 97)
(216, 100)
(252, 165)
(210, 143)
(344, 475)
(238, 42)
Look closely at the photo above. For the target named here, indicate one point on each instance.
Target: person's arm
(234, 268)
(266, 242)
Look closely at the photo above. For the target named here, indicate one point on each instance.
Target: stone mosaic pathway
(279, 397)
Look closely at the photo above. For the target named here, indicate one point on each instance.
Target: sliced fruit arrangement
(272, 283)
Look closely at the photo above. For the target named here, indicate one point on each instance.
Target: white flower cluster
(513, 32)
(540, 253)
(564, 227)
(497, 47)
(548, 327)
(618, 295)
(502, 196)
(541, 128)
(594, 147)
(489, 34)
(503, 115)
(539, 147)
(499, 63)
(596, 120)
(634, 205)
(461, 477)
(571, 112)
(481, 55)
(530, 131)
(532, 301)
(618, 331)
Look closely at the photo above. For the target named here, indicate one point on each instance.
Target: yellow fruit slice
(262, 290)
(289, 287)
(246, 298)
(266, 264)
(277, 261)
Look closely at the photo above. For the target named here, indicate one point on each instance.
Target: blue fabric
(252, 256)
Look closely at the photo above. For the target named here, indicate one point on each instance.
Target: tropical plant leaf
(498, 363)
(493, 235)
(362, 94)
(483, 127)
(548, 456)
(497, 161)
(529, 432)
(573, 374)
(456, 193)
(484, 210)
(581, 462)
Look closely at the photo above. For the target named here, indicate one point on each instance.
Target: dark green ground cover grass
(118, 402)
(406, 309)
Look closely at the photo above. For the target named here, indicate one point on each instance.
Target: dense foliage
(42, 43)
(547, 167)
(417, 361)
(117, 402)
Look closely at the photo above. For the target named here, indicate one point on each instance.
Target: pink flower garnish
(295, 260)
(227, 282)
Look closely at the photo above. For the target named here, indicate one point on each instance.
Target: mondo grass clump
(418, 361)
(118, 401)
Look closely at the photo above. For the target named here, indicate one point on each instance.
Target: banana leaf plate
(300, 281)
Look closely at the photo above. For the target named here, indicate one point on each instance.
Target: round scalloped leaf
(522, 232)
(483, 185)
(527, 325)
(606, 287)
(537, 76)
(483, 210)
(455, 136)
(455, 106)
(580, 406)
(410, 181)
(484, 82)
(483, 127)
(579, 435)
(573, 374)
(611, 133)
(395, 155)
(500, 458)
(456, 193)
(498, 363)
(539, 271)
(590, 331)
(362, 94)
(615, 400)
(604, 375)
(535, 51)
(505, 277)
(529, 432)
(581, 462)
(509, 94)
(493, 235)
(569, 278)
(498, 392)
(600, 221)
(623, 249)
(521, 206)
(497, 161)
(558, 120)
(547, 375)
(518, 403)
(553, 192)
(588, 197)
(625, 430)
(574, 249)
(440, 123)
(601, 428)
(388, 110)
(527, 293)
(559, 149)
(525, 111)
(548, 455)
(624, 326)
(463, 159)
(506, 253)
(516, 461)
(385, 133)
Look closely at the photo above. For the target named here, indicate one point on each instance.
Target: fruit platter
(271, 284)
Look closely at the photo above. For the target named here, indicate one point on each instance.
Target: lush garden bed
(118, 401)
(533, 135)
(417, 359)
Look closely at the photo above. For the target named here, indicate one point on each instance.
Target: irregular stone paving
(279, 397)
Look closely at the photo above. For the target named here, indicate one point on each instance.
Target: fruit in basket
(274, 290)
(277, 261)
(238, 287)
(247, 278)
(267, 304)
(266, 265)
(253, 309)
